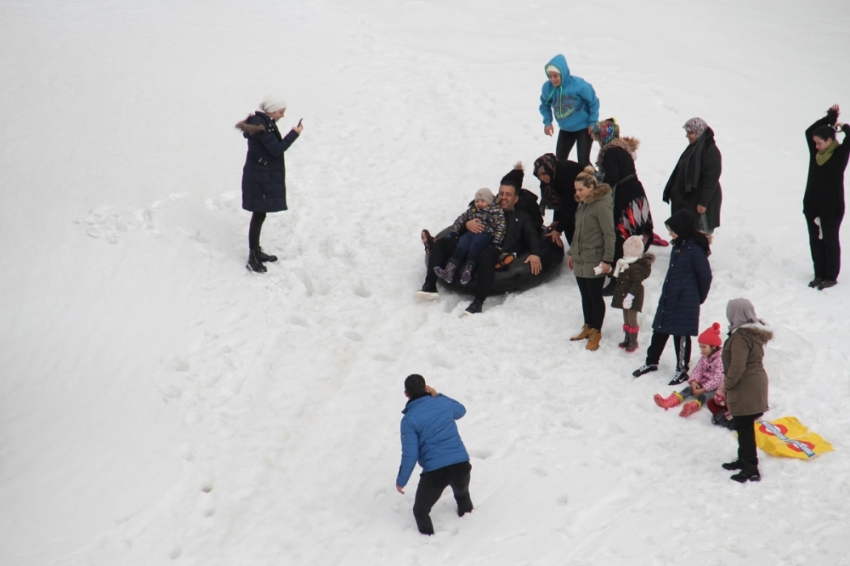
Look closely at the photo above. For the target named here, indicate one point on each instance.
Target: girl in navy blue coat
(685, 289)
(264, 173)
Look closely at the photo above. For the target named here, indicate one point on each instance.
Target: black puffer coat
(264, 173)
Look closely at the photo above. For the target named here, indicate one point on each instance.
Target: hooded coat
(696, 180)
(574, 101)
(685, 288)
(630, 282)
(825, 184)
(746, 380)
(632, 216)
(593, 241)
(429, 435)
(264, 173)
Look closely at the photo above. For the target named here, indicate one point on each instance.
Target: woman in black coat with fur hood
(264, 173)
(694, 184)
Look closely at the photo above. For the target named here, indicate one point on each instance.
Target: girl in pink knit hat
(704, 380)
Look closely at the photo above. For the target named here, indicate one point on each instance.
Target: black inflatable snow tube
(516, 277)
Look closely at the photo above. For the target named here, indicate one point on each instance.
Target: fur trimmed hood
(649, 256)
(759, 331)
(249, 129)
(600, 191)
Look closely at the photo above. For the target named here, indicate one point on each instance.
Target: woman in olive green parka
(592, 251)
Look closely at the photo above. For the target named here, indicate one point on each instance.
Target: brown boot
(593, 340)
(583, 335)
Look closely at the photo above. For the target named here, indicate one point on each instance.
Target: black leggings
(254, 229)
(592, 301)
(683, 350)
(826, 250)
(566, 141)
(431, 486)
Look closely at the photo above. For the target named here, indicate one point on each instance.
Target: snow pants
(825, 246)
(431, 487)
(469, 246)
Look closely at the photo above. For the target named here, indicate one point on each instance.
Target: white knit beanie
(633, 247)
(272, 103)
(552, 68)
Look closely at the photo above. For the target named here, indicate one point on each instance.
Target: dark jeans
(566, 141)
(469, 246)
(683, 350)
(592, 301)
(744, 425)
(431, 486)
(485, 270)
(254, 229)
(826, 251)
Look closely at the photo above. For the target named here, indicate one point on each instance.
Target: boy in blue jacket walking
(576, 108)
(429, 435)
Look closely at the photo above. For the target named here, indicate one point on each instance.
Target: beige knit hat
(485, 195)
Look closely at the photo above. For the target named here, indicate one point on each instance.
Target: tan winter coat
(593, 241)
(746, 379)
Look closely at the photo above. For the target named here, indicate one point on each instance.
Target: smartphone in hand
(299, 122)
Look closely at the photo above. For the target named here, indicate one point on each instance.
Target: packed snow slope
(161, 405)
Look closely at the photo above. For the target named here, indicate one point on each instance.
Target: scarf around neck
(623, 264)
(823, 156)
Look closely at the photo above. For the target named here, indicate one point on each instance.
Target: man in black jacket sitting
(521, 234)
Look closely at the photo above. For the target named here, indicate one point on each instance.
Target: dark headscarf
(682, 224)
(547, 164)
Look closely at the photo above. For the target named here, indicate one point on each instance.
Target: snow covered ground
(161, 405)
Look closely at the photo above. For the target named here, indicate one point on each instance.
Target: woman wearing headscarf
(557, 191)
(823, 203)
(616, 165)
(695, 182)
(745, 382)
(264, 172)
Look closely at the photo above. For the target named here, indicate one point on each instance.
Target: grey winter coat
(594, 238)
(746, 379)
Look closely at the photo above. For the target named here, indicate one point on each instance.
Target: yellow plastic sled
(788, 437)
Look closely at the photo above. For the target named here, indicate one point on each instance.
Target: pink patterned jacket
(709, 371)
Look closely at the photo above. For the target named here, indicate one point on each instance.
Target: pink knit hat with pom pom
(711, 337)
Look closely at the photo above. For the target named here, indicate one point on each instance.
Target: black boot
(254, 263)
(264, 257)
(736, 465)
(475, 307)
(748, 472)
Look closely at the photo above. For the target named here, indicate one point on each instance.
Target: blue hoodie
(574, 101)
(429, 434)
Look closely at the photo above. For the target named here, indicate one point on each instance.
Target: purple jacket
(709, 371)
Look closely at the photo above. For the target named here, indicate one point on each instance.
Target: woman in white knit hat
(264, 173)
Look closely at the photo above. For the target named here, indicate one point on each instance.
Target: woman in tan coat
(745, 382)
(592, 251)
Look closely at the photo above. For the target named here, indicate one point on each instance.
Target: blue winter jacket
(685, 289)
(574, 101)
(429, 434)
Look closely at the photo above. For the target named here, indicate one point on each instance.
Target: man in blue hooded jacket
(576, 108)
(429, 435)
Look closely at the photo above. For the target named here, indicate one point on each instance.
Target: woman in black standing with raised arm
(823, 203)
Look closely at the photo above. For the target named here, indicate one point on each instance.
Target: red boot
(671, 401)
(633, 335)
(690, 408)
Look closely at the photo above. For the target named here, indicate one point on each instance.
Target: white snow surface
(159, 404)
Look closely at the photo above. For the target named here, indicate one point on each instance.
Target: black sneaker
(428, 291)
(815, 282)
(681, 376)
(264, 257)
(475, 307)
(736, 465)
(645, 369)
(826, 284)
